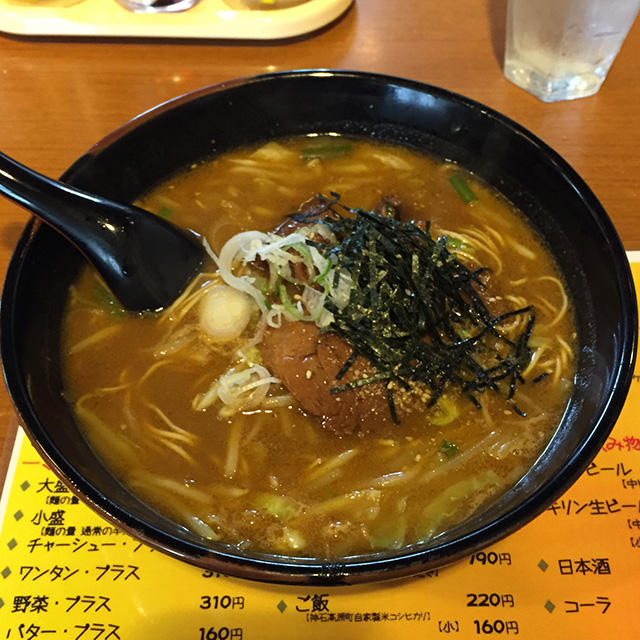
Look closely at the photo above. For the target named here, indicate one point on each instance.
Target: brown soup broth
(272, 478)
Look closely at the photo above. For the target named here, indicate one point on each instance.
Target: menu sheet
(574, 572)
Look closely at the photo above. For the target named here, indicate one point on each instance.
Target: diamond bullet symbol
(25, 485)
(5, 573)
(542, 565)
(18, 515)
(12, 544)
(549, 606)
(1, 603)
(281, 606)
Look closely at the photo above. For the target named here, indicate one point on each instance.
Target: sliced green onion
(462, 188)
(305, 254)
(263, 285)
(321, 277)
(453, 243)
(107, 301)
(448, 448)
(165, 212)
(287, 304)
(293, 310)
(326, 151)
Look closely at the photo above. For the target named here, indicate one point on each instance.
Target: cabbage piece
(451, 499)
(281, 507)
(391, 534)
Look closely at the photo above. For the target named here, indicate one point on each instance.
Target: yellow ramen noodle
(191, 407)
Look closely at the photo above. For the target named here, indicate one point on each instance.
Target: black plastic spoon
(145, 260)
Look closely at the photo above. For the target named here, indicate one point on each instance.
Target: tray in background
(207, 19)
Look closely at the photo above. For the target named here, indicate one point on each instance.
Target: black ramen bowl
(213, 120)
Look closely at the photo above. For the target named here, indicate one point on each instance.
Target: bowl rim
(364, 568)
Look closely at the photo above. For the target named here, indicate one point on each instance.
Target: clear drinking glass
(563, 49)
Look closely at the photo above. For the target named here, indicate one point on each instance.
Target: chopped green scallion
(326, 151)
(453, 243)
(287, 304)
(462, 188)
(107, 301)
(448, 448)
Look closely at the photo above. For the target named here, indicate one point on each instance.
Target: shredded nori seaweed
(415, 311)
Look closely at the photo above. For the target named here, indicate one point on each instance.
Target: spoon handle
(145, 260)
(84, 219)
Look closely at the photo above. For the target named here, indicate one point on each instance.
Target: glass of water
(563, 49)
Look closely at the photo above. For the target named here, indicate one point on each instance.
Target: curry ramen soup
(358, 376)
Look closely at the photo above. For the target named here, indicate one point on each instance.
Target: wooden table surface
(59, 96)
